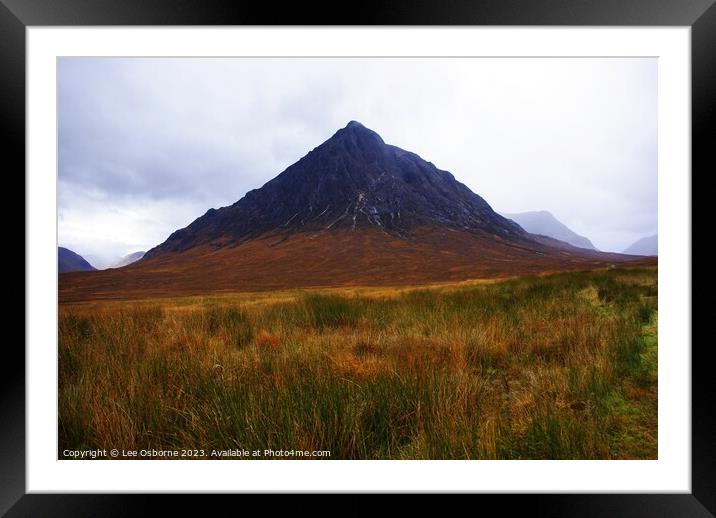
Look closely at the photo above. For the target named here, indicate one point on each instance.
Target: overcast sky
(148, 145)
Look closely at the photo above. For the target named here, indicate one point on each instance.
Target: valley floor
(561, 366)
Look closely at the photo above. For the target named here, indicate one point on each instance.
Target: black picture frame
(700, 15)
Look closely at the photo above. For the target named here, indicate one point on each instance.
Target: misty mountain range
(544, 223)
(128, 259)
(70, 261)
(645, 246)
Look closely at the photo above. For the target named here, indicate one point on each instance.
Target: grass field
(553, 367)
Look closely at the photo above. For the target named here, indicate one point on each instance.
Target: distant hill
(68, 261)
(128, 259)
(545, 224)
(645, 246)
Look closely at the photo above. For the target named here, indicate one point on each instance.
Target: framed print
(423, 250)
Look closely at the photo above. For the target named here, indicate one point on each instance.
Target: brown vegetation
(363, 258)
(551, 367)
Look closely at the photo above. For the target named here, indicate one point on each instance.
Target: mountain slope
(353, 211)
(544, 223)
(69, 261)
(364, 258)
(644, 246)
(128, 259)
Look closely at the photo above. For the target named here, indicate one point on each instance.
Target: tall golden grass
(553, 367)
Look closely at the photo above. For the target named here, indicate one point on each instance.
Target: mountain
(68, 261)
(128, 259)
(544, 223)
(644, 246)
(353, 211)
(353, 181)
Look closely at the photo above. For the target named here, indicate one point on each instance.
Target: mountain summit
(354, 211)
(352, 181)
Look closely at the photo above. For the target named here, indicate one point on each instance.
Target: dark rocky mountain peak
(353, 181)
